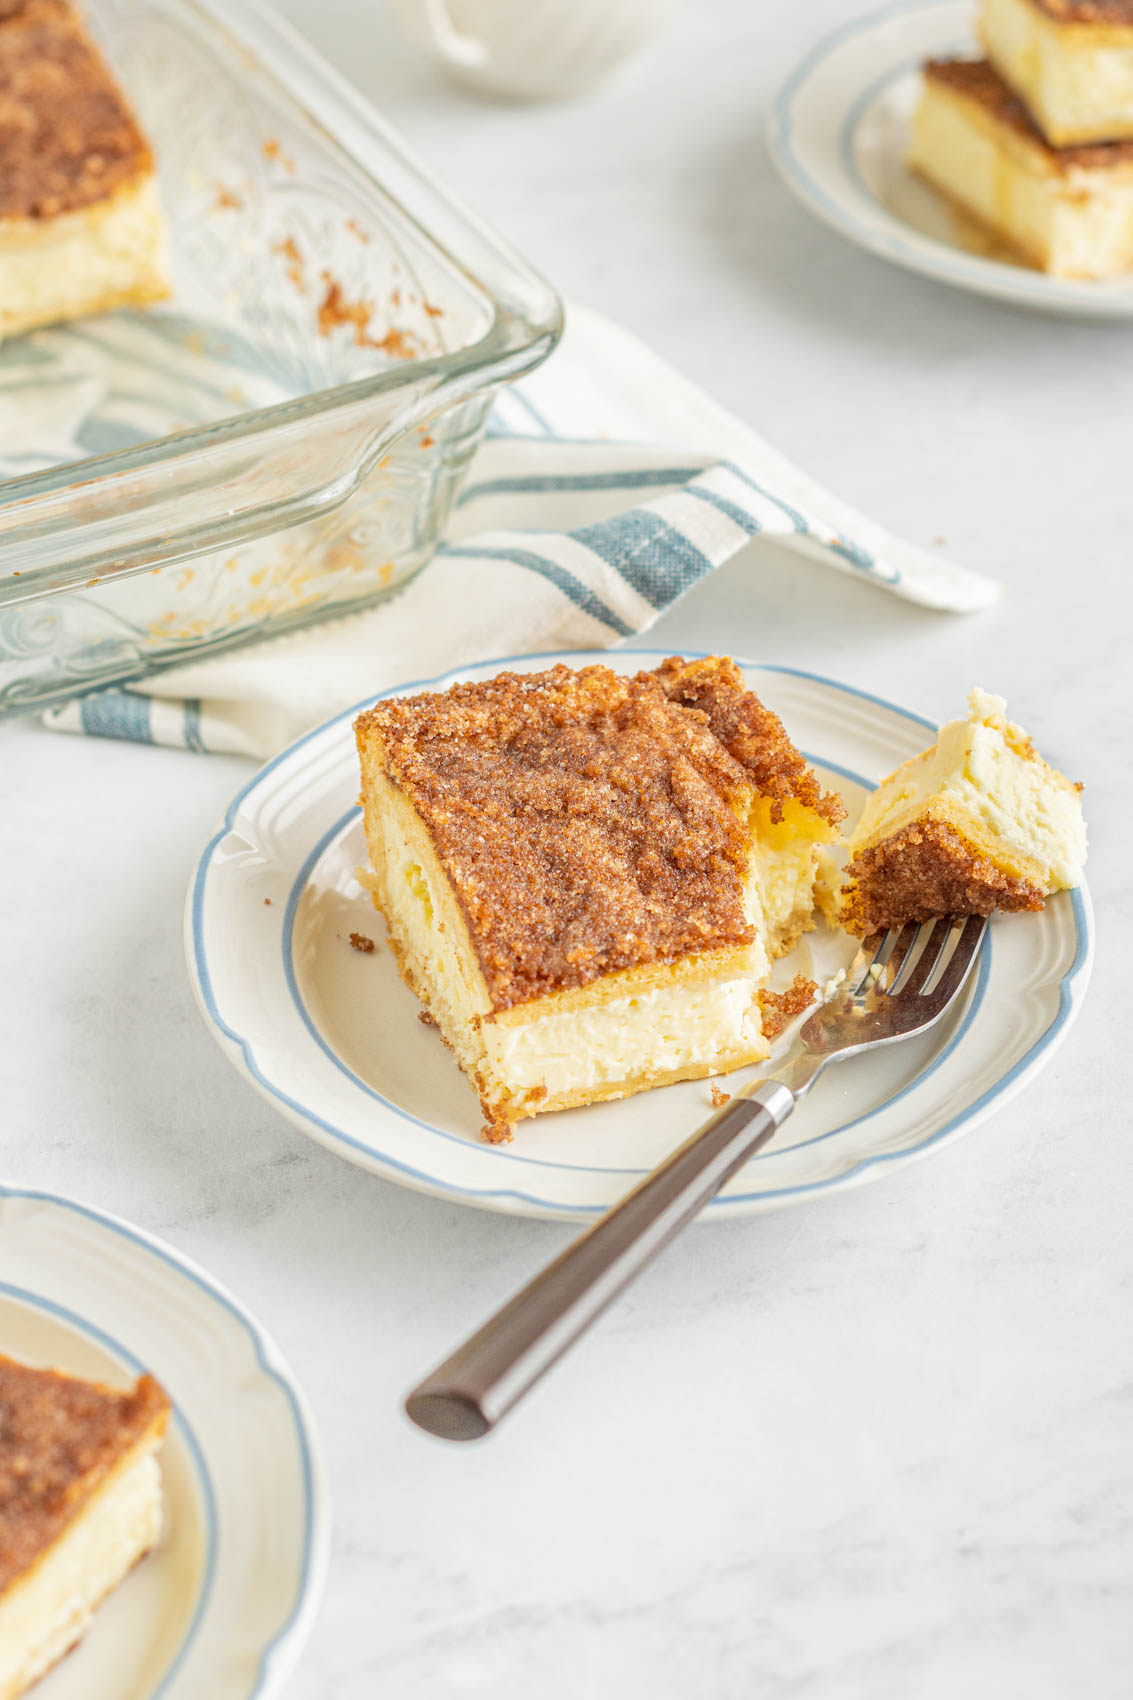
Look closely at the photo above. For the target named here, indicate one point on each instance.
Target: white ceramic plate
(838, 134)
(224, 1602)
(331, 1036)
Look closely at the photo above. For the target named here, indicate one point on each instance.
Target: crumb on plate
(781, 1007)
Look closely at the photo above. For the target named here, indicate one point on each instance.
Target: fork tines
(925, 959)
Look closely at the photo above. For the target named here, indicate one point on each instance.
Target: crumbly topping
(925, 870)
(587, 822)
(59, 1438)
(978, 81)
(1087, 11)
(719, 1097)
(362, 943)
(336, 309)
(780, 1008)
(67, 135)
(751, 733)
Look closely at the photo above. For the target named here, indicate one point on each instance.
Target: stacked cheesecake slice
(1036, 140)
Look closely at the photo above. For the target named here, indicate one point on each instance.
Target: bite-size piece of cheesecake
(977, 822)
(1069, 211)
(1070, 61)
(80, 1504)
(81, 228)
(586, 876)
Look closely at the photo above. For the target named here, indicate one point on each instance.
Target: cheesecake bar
(978, 822)
(1070, 61)
(1068, 211)
(586, 876)
(81, 230)
(80, 1504)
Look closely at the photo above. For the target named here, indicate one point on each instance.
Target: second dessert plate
(839, 131)
(222, 1605)
(329, 1034)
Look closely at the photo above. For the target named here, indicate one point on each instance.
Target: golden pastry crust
(60, 1437)
(925, 870)
(977, 80)
(500, 1119)
(68, 138)
(588, 822)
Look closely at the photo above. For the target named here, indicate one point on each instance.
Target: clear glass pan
(283, 439)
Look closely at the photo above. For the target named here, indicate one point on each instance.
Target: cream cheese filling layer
(44, 1613)
(656, 1032)
(785, 857)
(87, 261)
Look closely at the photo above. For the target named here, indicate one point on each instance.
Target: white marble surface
(876, 1446)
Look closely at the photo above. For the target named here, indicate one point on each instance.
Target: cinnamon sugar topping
(67, 135)
(779, 1008)
(1088, 11)
(59, 1438)
(587, 821)
(925, 870)
(751, 733)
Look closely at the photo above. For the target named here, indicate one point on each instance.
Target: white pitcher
(531, 49)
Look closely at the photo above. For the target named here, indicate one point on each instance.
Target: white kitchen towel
(569, 534)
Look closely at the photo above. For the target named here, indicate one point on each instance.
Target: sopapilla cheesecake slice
(80, 1504)
(586, 876)
(1069, 61)
(977, 822)
(1067, 210)
(81, 227)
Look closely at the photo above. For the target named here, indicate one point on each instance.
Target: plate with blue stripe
(839, 132)
(328, 1033)
(223, 1602)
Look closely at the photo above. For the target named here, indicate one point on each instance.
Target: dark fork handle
(468, 1394)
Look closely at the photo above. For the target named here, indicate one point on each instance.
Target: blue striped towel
(568, 535)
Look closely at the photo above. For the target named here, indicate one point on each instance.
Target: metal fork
(900, 983)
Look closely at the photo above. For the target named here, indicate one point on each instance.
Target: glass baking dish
(282, 440)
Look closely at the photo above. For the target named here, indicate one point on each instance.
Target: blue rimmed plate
(222, 1605)
(330, 1035)
(838, 134)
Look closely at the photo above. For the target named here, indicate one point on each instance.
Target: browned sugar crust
(978, 81)
(925, 870)
(59, 1439)
(1087, 11)
(67, 135)
(751, 733)
(779, 1008)
(587, 822)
